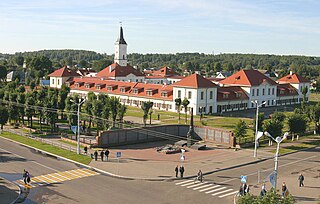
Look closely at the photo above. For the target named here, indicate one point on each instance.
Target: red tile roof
(194, 81)
(232, 92)
(128, 92)
(165, 72)
(286, 90)
(250, 77)
(293, 78)
(64, 72)
(118, 71)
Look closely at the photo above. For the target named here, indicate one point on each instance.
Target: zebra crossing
(57, 177)
(207, 188)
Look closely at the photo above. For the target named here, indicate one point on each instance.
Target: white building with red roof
(60, 76)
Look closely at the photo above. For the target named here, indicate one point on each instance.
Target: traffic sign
(118, 154)
(182, 158)
(243, 179)
(272, 178)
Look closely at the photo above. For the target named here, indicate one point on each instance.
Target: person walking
(263, 191)
(177, 171)
(85, 149)
(107, 154)
(301, 179)
(101, 155)
(26, 177)
(199, 177)
(181, 171)
(95, 155)
(284, 189)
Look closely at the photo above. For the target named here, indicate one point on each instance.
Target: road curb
(147, 179)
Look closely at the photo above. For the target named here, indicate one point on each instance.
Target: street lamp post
(257, 120)
(78, 114)
(278, 140)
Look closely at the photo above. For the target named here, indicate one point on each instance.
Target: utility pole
(78, 114)
(190, 132)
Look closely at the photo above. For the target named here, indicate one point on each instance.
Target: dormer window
(149, 92)
(164, 94)
(238, 94)
(225, 96)
(122, 89)
(78, 84)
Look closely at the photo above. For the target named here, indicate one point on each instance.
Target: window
(201, 95)
(109, 88)
(211, 94)
(52, 81)
(252, 92)
(98, 87)
(122, 90)
(149, 93)
(179, 94)
(164, 94)
(252, 105)
(225, 96)
(263, 92)
(58, 81)
(272, 91)
(189, 94)
(257, 92)
(135, 91)
(268, 91)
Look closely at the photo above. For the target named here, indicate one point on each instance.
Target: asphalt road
(78, 186)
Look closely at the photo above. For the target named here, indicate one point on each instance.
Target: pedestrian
(301, 179)
(284, 189)
(95, 155)
(181, 171)
(101, 155)
(177, 171)
(85, 149)
(200, 176)
(158, 116)
(263, 191)
(242, 189)
(25, 175)
(107, 154)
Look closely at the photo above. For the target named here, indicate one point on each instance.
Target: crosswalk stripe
(78, 173)
(39, 180)
(209, 188)
(54, 177)
(184, 182)
(42, 177)
(187, 184)
(89, 173)
(203, 186)
(70, 174)
(222, 196)
(60, 175)
(20, 182)
(198, 184)
(214, 190)
(214, 194)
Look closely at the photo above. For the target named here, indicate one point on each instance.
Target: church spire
(121, 40)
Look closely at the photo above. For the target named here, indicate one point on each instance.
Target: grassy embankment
(49, 148)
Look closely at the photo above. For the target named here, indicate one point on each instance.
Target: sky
(285, 27)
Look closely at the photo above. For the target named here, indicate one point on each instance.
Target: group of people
(102, 155)
(179, 169)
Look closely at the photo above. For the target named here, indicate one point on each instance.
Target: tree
(29, 111)
(4, 116)
(97, 107)
(274, 127)
(19, 60)
(51, 104)
(314, 116)
(146, 106)
(12, 108)
(3, 73)
(113, 105)
(178, 106)
(297, 124)
(185, 104)
(278, 116)
(240, 130)
(88, 107)
(21, 99)
(270, 197)
(62, 96)
(71, 108)
(40, 96)
(260, 121)
(121, 111)
(101, 64)
(105, 112)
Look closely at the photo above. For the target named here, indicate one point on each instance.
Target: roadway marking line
(91, 173)
(271, 168)
(72, 175)
(214, 194)
(88, 170)
(68, 175)
(199, 184)
(214, 190)
(40, 180)
(187, 184)
(203, 186)
(222, 196)
(183, 182)
(52, 176)
(65, 178)
(79, 173)
(209, 188)
(47, 179)
(30, 161)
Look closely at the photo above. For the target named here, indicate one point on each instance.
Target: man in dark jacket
(95, 155)
(177, 171)
(301, 179)
(101, 155)
(107, 154)
(181, 171)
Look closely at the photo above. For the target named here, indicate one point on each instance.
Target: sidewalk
(9, 192)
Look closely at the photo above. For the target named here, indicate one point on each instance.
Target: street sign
(74, 129)
(243, 179)
(182, 158)
(118, 154)
(272, 178)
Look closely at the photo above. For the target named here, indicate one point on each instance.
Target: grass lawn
(297, 147)
(70, 143)
(46, 147)
(314, 97)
